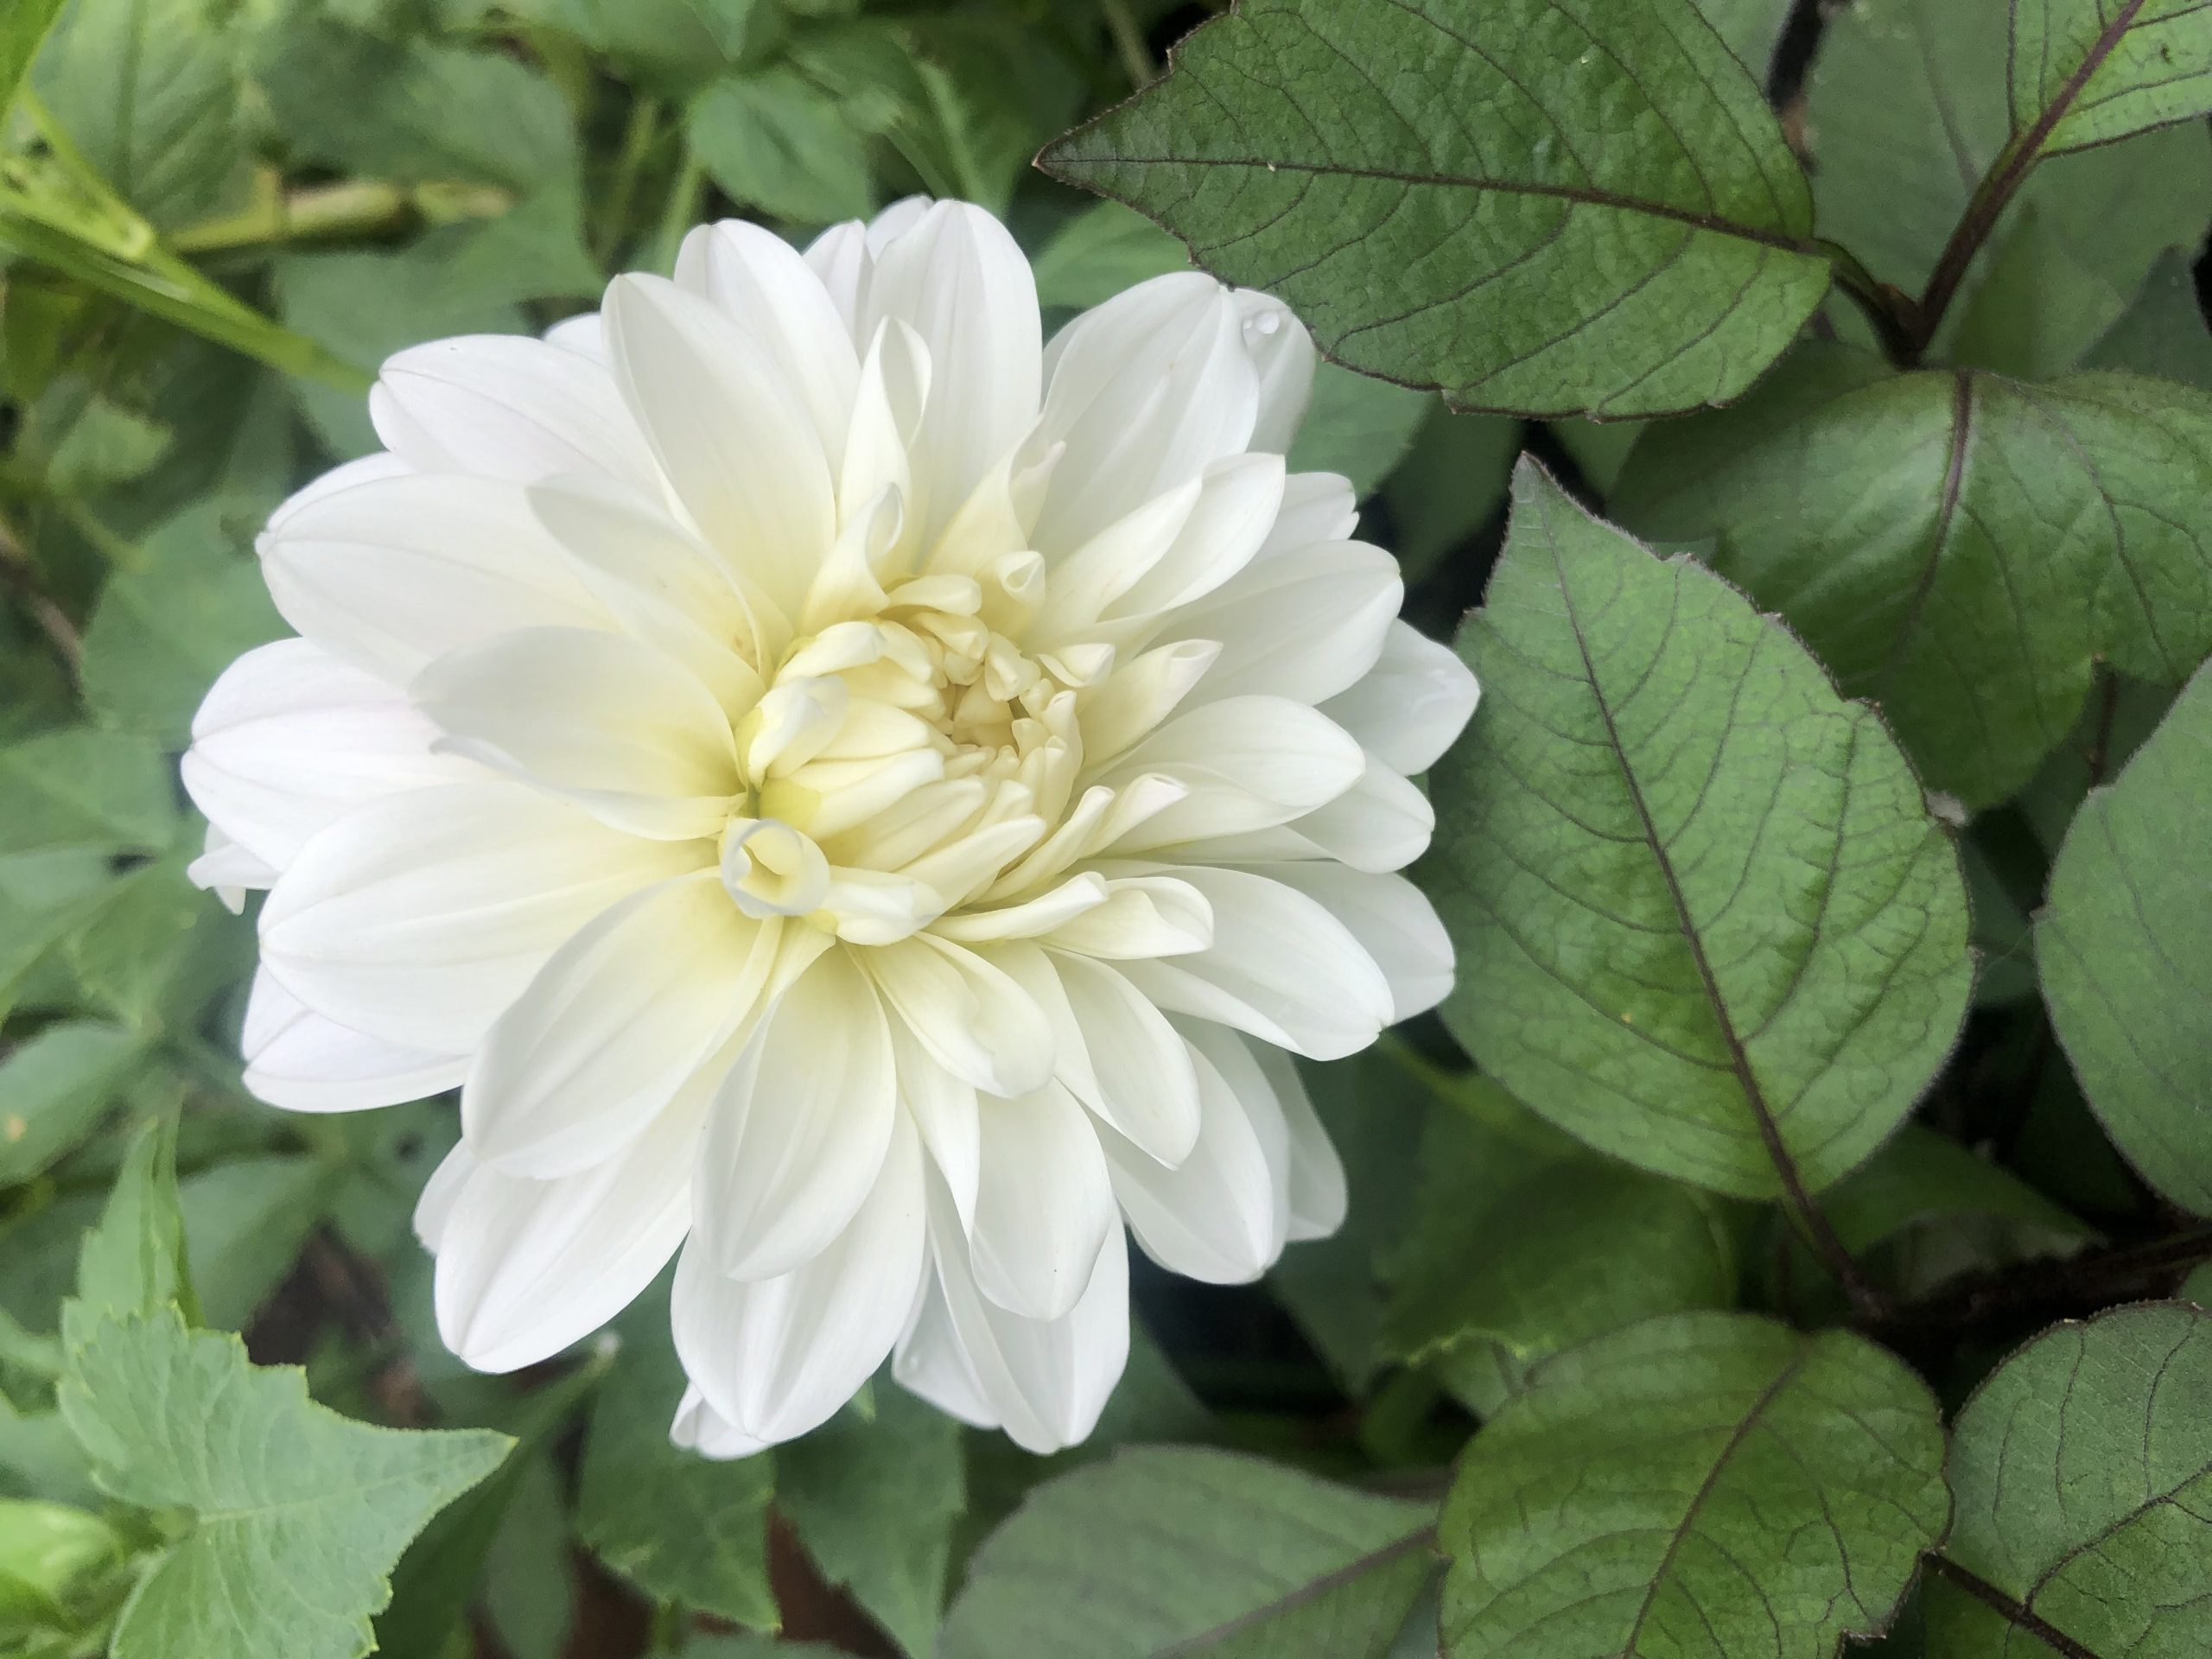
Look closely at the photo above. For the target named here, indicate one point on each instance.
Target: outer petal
(731, 433)
(945, 1109)
(507, 406)
(612, 1026)
(298, 1060)
(699, 1428)
(1221, 1215)
(390, 573)
(1412, 705)
(525, 1268)
(1305, 624)
(1281, 967)
(1393, 921)
(931, 1362)
(955, 277)
(799, 1130)
(420, 917)
(1248, 763)
(775, 1357)
(974, 1020)
(1044, 1380)
(1044, 1204)
(1145, 1085)
(290, 739)
(1282, 352)
(1317, 1192)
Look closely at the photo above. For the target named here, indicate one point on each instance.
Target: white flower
(848, 793)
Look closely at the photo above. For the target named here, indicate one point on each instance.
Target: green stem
(1130, 43)
(326, 212)
(637, 139)
(679, 214)
(1893, 311)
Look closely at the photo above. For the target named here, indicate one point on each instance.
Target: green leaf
(2125, 948)
(297, 1513)
(1358, 426)
(875, 1503)
(1704, 921)
(680, 1527)
(51, 1557)
(1959, 547)
(132, 1261)
(21, 31)
(1102, 251)
(529, 1596)
(2082, 1469)
(163, 630)
(1535, 1251)
(1710, 1483)
(82, 787)
(1452, 483)
(1907, 114)
(55, 1088)
(245, 1221)
(1542, 207)
(158, 949)
(2164, 330)
(2086, 71)
(149, 91)
(1751, 28)
(771, 139)
(1192, 1552)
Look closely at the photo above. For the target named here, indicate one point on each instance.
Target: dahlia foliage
(855, 797)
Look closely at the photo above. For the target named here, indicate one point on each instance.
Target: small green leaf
(55, 1088)
(1176, 1550)
(775, 142)
(681, 1527)
(2086, 71)
(81, 787)
(132, 1261)
(1704, 919)
(297, 1513)
(875, 1503)
(2082, 1469)
(2125, 949)
(1709, 1483)
(1542, 207)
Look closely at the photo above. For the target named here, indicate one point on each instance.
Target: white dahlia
(851, 794)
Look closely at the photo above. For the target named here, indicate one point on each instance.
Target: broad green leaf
(157, 950)
(1452, 483)
(83, 787)
(1529, 1249)
(245, 1220)
(671, 45)
(2197, 1287)
(875, 1502)
(2125, 948)
(297, 1513)
(149, 91)
(529, 1594)
(1906, 112)
(2163, 331)
(2082, 1469)
(40, 1458)
(2100, 744)
(133, 1260)
(21, 32)
(1751, 28)
(1358, 426)
(43, 898)
(1542, 207)
(681, 1527)
(55, 1088)
(84, 441)
(1707, 1483)
(2086, 71)
(1959, 547)
(162, 631)
(1192, 1552)
(775, 142)
(1704, 921)
(1102, 251)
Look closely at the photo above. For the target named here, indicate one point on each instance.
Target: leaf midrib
(1312, 1590)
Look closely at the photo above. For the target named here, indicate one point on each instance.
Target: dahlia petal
(1145, 1086)
(1413, 705)
(347, 475)
(610, 722)
(1052, 909)
(840, 262)
(612, 1026)
(393, 572)
(972, 1019)
(1238, 498)
(1248, 763)
(797, 1132)
(731, 434)
(1305, 624)
(1317, 1194)
(297, 1059)
(1143, 916)
(945, 1110)
(699, 1428)
(1383, 822)
(419, 917)
(434, 1205)
(1281, 967)
(1221, 1214)
(1282, 353)
(957, 278)
(760, 282)
(1393, 921)
(1044, 1203)
(1044, 1380)
(229, 870)
(289, 737)
(583, 333)
(777, 1356)
(526, 1267)
(506, 406)
(1316, 507)
(1137, 696)
(930, 1362)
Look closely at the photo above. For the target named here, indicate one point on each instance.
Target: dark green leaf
(245, 1222)
(1358, 427)
(2082, 1469)
(1959, 547)
(1543, 207)
(55, 1088)
(2124, 947)
(297, 1514)
(84, 788)
(1751, 28)
(2163, 331)
(776, 143)
(1189, 1551)
(529, 1596)
(1450, 485)
(1703, 918)
(1711, 1484)
(2086, 71)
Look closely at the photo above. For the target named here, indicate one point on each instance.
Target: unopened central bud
(772, 869)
